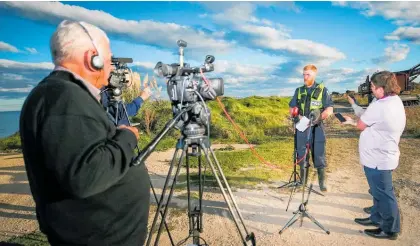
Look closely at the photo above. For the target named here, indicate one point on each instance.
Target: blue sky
(260, 47)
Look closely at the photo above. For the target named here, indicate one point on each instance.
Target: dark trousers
(385, 207)
(317, 146)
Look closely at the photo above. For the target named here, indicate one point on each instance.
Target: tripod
(116, 102)
(294, 182)
(302, 211)
(193, 136)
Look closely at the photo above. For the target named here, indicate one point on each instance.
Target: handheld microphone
(295, 111)
(295, 114)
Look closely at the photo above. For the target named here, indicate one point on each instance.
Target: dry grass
(413, 121)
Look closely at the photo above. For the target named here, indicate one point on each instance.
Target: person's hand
(132, 129)
(351, 101)
(145, 93)
(349, 120)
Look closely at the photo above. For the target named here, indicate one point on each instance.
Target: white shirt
(378, 144)
(359, 110)
(92, 89)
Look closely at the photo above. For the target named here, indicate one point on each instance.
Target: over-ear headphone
(97, 61)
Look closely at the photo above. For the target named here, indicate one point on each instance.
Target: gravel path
(263, 209)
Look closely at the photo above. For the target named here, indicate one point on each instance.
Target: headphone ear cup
(97, 62)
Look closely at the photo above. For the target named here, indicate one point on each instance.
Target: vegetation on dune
(10, 143)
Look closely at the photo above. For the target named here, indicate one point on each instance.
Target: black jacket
(78, 167)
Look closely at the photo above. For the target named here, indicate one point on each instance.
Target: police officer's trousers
(317, 145)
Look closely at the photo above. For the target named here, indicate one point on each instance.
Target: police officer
(312, 97)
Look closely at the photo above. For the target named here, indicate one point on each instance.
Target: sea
(9, 123)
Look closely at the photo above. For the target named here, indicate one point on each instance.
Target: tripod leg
(187, 165)
(288, 183)
(290, 197)
(166, 225)
(290, 222)
(160, 203)
(251, 236)
(171, 193)
(316, 222)
(229, 190)
(200, 191)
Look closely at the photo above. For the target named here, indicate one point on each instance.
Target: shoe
(365, 222)
(368, 210)
(378, 233)
(321, 179)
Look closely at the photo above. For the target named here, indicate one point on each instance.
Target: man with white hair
(78, 163)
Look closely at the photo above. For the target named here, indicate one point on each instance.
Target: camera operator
(309, 98)
(382, 125)
(131, 108)
(78, 163)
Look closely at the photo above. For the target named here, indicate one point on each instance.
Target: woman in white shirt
(382, 125)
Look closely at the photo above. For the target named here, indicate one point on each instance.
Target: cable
(242, 135)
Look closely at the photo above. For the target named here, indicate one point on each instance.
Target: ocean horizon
(9, 123)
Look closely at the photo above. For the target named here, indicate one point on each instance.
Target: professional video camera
(184, 81)
(119, 78)
(186, 86)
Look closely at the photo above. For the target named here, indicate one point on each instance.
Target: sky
(260, 48)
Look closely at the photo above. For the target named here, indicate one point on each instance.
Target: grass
(10, 143)
(35, 238)
(244, 170)
(413, 122)
(361, 100)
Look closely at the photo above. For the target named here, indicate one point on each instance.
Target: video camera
(185, 85)
(118, 77)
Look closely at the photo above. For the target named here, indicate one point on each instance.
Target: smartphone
(340, 117)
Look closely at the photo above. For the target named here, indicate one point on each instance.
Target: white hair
(70, 38)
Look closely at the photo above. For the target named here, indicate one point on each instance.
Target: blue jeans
(385, 207)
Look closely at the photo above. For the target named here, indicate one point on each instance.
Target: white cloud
(26, 89)
(342, 79)
(12, 76)
(401, 11)
(8, 47)
(301, 47)
(26, 65)
(289, 91)
(294, 80)
(395, 53)
(405, 14)
(31, 50)
(405, 33)
(148, 65)
(236, 68)
(272, 36)
(231, 79)
(147, 31)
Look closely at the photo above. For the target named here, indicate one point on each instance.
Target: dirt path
(263, 209)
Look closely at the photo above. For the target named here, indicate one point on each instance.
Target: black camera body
(118, 77)
(187, 87)
(186, 84)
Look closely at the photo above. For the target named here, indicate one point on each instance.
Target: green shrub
(10, 143)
